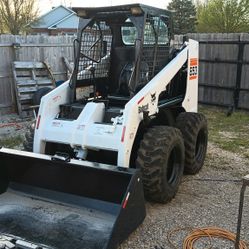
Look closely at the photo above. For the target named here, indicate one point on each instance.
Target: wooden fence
(223, 72)
(50, 49)
(224, 69)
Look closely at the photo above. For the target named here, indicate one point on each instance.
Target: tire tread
(190, 124)
(150, 160)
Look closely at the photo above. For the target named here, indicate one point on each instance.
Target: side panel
(75, 132)
(49, 108)
(190, 102)
(146, 100)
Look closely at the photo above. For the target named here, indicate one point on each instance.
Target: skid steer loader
(123, 127)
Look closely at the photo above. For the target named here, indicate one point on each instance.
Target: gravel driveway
(210, 198)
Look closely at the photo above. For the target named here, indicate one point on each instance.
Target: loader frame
(125, 84)
(88, 130)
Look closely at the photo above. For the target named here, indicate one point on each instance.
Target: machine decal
(132, 134)
(56, 98)
(139, 101)
(153, 98)
(193, 70)
(126, 200)
(99, 131)
(143, 108)
(123, 134)
(81, 127)
(56, 124)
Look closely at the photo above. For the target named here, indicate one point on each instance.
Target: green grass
(229, 133)
(11, 142)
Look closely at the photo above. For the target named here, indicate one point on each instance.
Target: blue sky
(46, 5)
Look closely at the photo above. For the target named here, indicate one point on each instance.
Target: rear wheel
(39, 94)
(29, 138)
(161, 160)
(195, 133)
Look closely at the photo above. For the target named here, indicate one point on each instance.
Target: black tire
(39, 94)
(29, 139)
(195, 133)
(161, 160)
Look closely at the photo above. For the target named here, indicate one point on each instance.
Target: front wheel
(161, 160)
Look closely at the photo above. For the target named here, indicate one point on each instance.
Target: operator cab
(118, 50)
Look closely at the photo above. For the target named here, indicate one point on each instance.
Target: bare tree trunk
(16, 15)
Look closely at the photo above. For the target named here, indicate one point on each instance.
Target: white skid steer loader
(123, 127)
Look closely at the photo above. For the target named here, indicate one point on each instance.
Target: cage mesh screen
(156, 45)
(91, 51)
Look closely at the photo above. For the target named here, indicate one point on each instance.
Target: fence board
(244, 100)
(6, 93)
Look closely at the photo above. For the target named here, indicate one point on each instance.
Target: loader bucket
(67, 205)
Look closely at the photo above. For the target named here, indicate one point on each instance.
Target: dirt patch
(12, 130)
(228, 135)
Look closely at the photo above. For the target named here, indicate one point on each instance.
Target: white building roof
(59, 17)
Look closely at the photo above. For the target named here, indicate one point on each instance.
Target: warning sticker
(193, 71)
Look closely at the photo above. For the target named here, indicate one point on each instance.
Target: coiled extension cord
(206, 232)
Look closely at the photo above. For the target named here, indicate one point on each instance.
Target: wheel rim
(173, 166)
(200, 145)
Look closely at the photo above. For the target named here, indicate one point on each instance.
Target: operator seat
(125, 78)
(121, 68)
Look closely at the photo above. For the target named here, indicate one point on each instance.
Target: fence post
(238, 74)
(16, 47)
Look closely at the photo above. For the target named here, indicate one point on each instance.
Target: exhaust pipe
(76, 204)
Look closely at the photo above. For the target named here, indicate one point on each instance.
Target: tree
(1, 26)
(225, 16)
(184, 16)
(17, 14)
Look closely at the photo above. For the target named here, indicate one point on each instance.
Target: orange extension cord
(207, 232)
